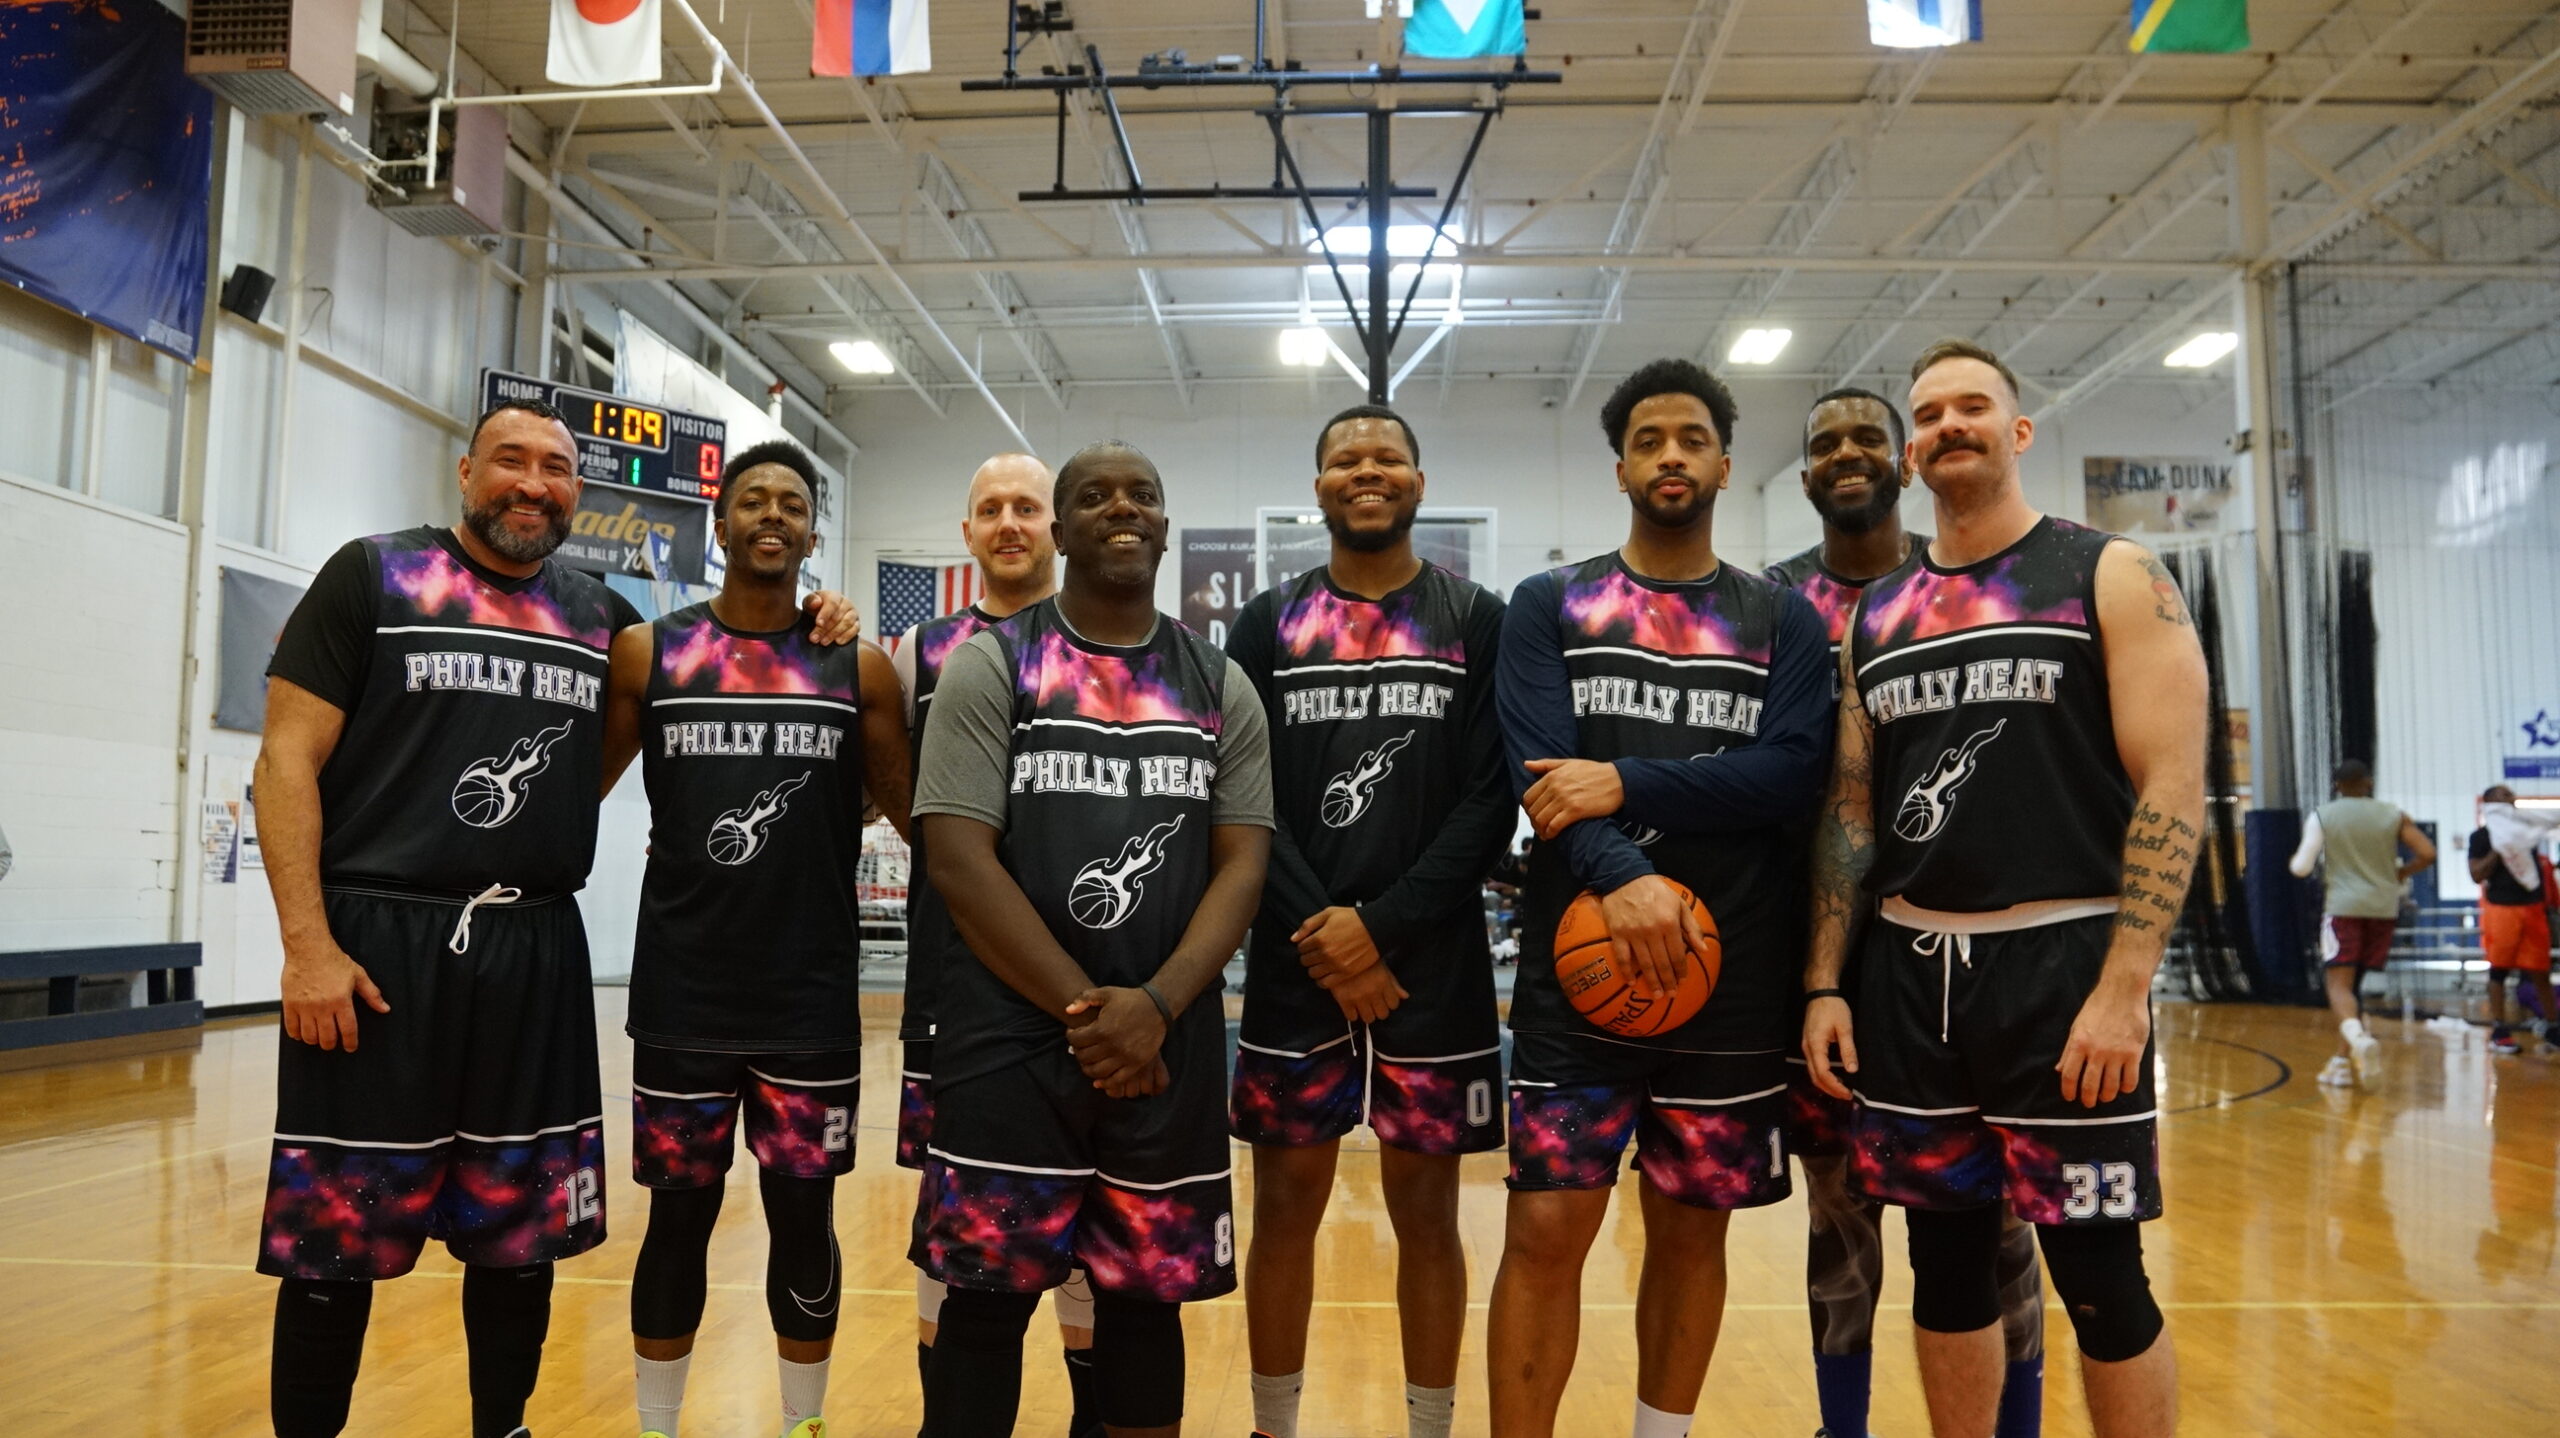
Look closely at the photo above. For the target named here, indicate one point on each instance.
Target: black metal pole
(1381, 339)
(1440, 226)
(1012, 41)
(1260, 24)
(1316, 223)
(1119, 131)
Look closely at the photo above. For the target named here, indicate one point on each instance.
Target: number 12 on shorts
(586, 1196)
(2089, 1180)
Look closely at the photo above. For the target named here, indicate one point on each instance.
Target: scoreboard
(624, 443)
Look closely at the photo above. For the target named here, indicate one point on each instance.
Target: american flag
(913, 593)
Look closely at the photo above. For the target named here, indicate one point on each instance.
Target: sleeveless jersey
(929, 931)
(748, 938)
(2361, 846)
(472, 755)
(1674, 670)
(1833, 597)
(1107, 808)
(1996, 776)
(1369, 705)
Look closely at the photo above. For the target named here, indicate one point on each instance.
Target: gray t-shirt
(2360, 839)
(968, 743)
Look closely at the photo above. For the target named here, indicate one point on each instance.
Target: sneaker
(2338, 1073)
(2503, 1042)
(813, 1426)
(2367, 1050)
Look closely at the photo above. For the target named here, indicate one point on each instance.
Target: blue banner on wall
(106, 166)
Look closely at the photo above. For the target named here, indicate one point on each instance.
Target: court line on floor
(2233, 1305)
(2284, 1075)
(136, 1168)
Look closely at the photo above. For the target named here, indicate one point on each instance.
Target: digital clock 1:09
(630, 424)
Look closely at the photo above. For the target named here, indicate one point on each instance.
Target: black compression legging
(803, 1269)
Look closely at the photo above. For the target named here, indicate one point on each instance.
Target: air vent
(276, 57)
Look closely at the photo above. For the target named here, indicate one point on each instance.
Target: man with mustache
(1667, 716)
(757, 744)
(2019, 792)
(1854, 477)
(427, 791)
(1369, 980)
(1096, 796)
(1005, 525)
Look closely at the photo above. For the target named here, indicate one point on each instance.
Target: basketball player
(1005, 525)
(2020, 782)
(427, 786)
(2515, 907)
(1369, 980)
(1668, 715)
(1854, 477)
(2361, 837)
(1096, 787)
(745, 962)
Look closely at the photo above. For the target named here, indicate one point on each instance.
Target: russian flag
(871, 37)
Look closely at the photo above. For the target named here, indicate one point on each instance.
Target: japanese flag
(600, 43)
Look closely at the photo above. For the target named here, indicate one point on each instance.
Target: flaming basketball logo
(1924, 808)
(1106, 892)
(490, 791)
(739, 835)
(1346, 795)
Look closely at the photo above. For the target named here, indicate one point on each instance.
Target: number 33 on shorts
(2099, 1190)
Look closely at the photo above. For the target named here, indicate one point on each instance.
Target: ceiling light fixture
(1759, 346)
(862, 357)
(2202, 351)
(1303, 347)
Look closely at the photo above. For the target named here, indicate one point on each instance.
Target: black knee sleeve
(973, 1376)
(506, 1313)
(1955, 1256)
(670, 1275)
(2097, 1272)
(319, 1342)
(802, 1270)
(1138, 1360)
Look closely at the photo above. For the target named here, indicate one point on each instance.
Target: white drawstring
(460, 943)
(1946, 949)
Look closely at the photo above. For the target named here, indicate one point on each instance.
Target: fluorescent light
(1405, 242)
(1759, 346)
(1922, 24)
(1304, 347)
(2203, 350)
(862, 357)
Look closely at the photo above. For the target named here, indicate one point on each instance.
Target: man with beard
(1854, 477)
(2019, 793)
(427, 792)
(1369, 980)
(1096, 793)
(1668, 717)
(1005, 525)
(745, 961)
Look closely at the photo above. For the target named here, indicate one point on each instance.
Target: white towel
(2513, 835)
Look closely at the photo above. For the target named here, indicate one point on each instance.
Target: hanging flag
(913, 593)
(870, 37)
(2205, 27)
(1922, 24)
(1465, 29)
(596, 44)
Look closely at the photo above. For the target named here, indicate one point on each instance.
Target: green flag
(2210, 27)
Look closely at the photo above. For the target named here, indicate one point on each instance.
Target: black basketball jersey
(1674, 670)
(1833, 597)
(473, 752)
(929, 931)
(1996, 775)
(1369, 702)
(1107, 808)
(749, 933)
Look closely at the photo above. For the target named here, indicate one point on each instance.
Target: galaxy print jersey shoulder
(2047, 579)
(1317, 626)
(697, 655)
(935, 638)
(1729, 616)
(1833, 598)
(426, 585)
(1057, 680)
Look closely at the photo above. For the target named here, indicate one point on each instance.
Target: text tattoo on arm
(2155, 885)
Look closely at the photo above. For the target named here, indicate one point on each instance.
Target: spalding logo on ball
(491, 791)
(1625, 1002)
(1106, 892)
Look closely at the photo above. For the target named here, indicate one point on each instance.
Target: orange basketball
(1624, 1002)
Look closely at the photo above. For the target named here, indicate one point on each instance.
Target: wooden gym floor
(2332, 1264)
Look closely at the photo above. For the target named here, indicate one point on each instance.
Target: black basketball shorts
(470, 1112)
(915, 1101)
(1708, 1127)
(1435, 1104)
(685, 1103)
(1034, 1172)
(1959, 1101)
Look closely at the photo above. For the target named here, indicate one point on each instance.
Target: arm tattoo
(1844, 847)
(2159, 864)
(2166, 601)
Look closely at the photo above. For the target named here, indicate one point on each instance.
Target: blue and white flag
(1921, 24)
(1465, 29)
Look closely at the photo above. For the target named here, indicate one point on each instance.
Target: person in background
(2515, 908)
(2362, 837)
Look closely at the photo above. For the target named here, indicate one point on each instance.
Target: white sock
(1275, 1403)
(1427, 1411)
(804, 1390)
(1652, 1422)
(660, 1384)
(2352, 1028)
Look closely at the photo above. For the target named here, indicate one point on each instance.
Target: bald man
(1006, 527)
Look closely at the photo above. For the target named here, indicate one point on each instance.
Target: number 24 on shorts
(2088, 1180)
